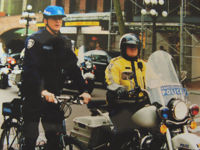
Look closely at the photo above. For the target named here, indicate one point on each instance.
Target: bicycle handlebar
(66, 101)
(69, 100)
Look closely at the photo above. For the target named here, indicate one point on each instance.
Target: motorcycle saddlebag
(93, 131)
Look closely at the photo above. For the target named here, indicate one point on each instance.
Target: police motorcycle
(15, 75)
(176, 117)
(163, 123)
(4, 72)
(8, 63)
(87, 70)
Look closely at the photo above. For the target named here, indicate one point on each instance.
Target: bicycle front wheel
(73, 144)
(11, 139)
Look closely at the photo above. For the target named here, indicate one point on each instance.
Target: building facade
(10, 15)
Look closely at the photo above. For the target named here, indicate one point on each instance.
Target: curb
(194, 92)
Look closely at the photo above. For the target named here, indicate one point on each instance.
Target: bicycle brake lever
(78, 100)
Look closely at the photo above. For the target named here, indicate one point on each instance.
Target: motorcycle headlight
(13, 62)
(179, 110)
(88, 65)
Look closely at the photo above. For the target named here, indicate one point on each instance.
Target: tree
(119, 17)
(60, 3)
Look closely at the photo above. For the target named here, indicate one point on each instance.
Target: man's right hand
(49, 97)
(121, 92)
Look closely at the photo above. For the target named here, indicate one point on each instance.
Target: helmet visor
(131, 45)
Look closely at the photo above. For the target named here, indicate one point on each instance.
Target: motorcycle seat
(96, 104)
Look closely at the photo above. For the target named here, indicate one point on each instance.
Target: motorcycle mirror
(183, 75)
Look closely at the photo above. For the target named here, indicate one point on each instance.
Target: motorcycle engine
(146, 142)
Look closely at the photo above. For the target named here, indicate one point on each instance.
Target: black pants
(51, 119)
(124, 126)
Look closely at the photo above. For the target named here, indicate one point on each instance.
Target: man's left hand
(86, 97)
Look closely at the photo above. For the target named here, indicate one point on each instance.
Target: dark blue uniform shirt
(45, 57)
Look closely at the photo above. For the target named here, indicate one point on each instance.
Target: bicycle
(12, 135)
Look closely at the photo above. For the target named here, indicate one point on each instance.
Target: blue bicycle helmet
(51, 11)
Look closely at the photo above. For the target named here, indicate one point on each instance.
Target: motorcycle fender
(186, 141)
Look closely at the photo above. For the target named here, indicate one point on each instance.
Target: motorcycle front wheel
(4, 81)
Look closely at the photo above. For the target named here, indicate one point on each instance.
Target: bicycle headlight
(179, 110)
(88, 65)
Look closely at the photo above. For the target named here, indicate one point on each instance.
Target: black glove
(121, 92)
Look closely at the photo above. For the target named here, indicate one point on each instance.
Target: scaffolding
(187, 48)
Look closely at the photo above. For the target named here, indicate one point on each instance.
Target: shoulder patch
(30, 43)
(110, 66)
(115, 58)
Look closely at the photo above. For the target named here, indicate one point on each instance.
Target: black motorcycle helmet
(129, 39)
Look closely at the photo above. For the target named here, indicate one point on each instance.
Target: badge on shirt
(48, 48)
(30, 44)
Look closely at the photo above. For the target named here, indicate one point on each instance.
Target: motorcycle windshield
(162, 81)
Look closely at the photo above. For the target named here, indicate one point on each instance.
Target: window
(91, 6)
(128, 10)
(106, 5)
(194, 7)
(174, 8)
(74, 6)
(12, 7)
(39, 5)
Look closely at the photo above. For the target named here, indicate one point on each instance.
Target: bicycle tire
(11, 139)
(74, 144)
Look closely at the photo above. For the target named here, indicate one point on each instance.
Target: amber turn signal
(193, 125)
(163, 129)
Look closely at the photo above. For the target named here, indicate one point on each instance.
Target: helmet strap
(53, 31)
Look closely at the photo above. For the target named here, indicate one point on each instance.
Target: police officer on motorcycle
(128, 64)
(124, 73)
(47, 52)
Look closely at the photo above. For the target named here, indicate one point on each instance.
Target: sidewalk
(193, 87)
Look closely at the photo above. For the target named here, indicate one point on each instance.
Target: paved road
(98, 93)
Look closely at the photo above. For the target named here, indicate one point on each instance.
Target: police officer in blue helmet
(47, 53)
